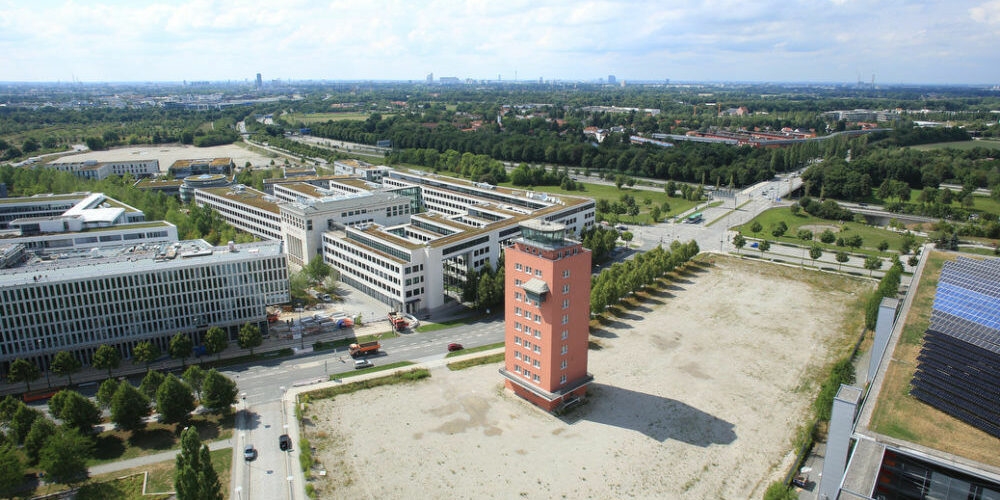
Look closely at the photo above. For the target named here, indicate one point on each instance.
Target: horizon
(931, 42)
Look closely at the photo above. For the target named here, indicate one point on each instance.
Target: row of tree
(623, 278)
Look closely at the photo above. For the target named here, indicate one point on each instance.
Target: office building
(186, 168)
(547, 302)
(92, 209)
(203, 181)
(171, 187)
(97, 170)
(611, 79)
(291, 172)
(260, 82)
(244, 208)
(128, 294)
(358, 168)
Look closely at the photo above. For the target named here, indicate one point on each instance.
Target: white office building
(97, 170)
(128, 294)
(244, 208)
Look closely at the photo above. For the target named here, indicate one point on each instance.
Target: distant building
(299, 172)
(97, 170)
(430, 77)
(187, 168)
(611, 79)
(547, 297)
(361, 169)
(3, 190)
(449, 80)
(260, 82)
(166, 186)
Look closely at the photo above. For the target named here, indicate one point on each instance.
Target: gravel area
(697, 394)
(167, 154)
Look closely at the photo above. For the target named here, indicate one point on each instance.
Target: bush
(778, 491)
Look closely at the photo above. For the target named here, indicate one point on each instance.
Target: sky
(934, 41)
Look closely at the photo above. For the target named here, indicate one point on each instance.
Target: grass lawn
(612, 193)
(323, 346)
(308, 118)
(899, 415)
(430, 327)
(115, 445)
(962, 145)
(872, 236)
(468, 363)
(978, 251)
(376, 368)
(981, 203)
(474, 349)
(396, 378)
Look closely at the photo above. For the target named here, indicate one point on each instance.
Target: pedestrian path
(151, 459)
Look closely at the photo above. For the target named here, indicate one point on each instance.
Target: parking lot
(697, 394)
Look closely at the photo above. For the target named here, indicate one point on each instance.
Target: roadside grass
(430, 327)
(396, 378)
(324, 346)
(474, 349)
(872, 236)
(727, 214)
(376, 368)
(468, 363)
(900, 415)
(978, 251)
(209, 363)
(116, 445)
(979, 202)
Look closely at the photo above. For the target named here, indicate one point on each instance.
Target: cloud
(393, 39)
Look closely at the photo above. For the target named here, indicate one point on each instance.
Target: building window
(562, 366)
(527, 345)
(517, 311)
(538, 349)
(565, 349)
(565, 334)
(517, 340)
(517, 369)
(517, 266)
(565, 288)
(537, 364)
(538, 333)
(566, 273)
(562, 380)
(565, 319)
(517, 355)
(536, 378)
(517, 326)
(566, 304)
(517, 282)
(538, 272)
(517, 296)
(527, 269)
(538, 319)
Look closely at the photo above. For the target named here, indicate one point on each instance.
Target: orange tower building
(547, 292)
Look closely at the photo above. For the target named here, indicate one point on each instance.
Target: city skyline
(931, 42)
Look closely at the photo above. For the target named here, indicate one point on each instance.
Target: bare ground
(698, 393)
(167, 154)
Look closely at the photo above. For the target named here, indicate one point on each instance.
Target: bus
(696, 218)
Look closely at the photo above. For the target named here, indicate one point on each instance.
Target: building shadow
(657, 417)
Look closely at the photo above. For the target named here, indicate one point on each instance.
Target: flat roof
(247, 196)
(373, 230)
(43, 198)
(215, 162)
(154, 183)
(305, 178)
(304, 188)
(354, 182)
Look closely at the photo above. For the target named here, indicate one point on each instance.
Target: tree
(11, 469)
(215, 342)
(855, 241)
(739, 241)
(151, 383)
(755, 228)
(654, 213)
(107, 358)
(23, 371)
(794, 209)
(106, 391)
(883, 246)
(65, 365)
(250, 337)
(218, 392)
(815, 252)
(181, 347)
(193, 377)
(827, 236)
(194, 476)
(913, 261)
(841, 257)
(174, 400)
(41, 430)
(872, 263)
(627, 236)
(21, 422)
(76, 411)
(804, 235)
(764, 246)
(145, 352)
(64, 457)
(317, 269)
(8, 405)
(780, 229)
(129, 408)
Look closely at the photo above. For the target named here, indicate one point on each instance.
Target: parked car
(455, 347)
(249, 453)
(363, 363)
(284, 442)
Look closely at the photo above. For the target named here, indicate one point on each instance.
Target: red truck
(398, 321)
(364, 348)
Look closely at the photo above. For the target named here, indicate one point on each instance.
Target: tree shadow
(606, 321)
(594, 346)
(663, 293)
(108, 446)
(619, 311)
(155, 439)
(655, 416)
(248, 420)
(604, 334)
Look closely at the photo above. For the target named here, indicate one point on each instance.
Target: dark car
(249, 453)
(455, 347)
(285, 442)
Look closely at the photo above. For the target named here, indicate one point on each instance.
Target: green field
(982, 203)
(962, 145)
(612, 193)
(872, 236)
(324, 117)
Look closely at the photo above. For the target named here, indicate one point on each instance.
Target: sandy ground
(169, 153)
(695, 396)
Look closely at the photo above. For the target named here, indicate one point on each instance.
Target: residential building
(97, 170)
(547, 302)
(186, 168)
(124, 295)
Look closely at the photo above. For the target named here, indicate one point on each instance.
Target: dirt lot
(697, 394)
(169, 153)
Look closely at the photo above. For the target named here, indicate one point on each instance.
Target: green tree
(21, 422)
(627, 236)
(317, 269)
(11, 469)
(145, 352)
(106, 391)
(129, 408)
(194, 476)
(794, 209)
(216, 341)
(78, 412)
(883, 246)
(913, 261)
(855, 241)
(174, 400)
(41, 430)
(872, 263)
(181, 347)
(151, 383)
(194, 376)
(23, 371)
(739, 241)
(8, 405)
(64, 457)
(654, 213)
(815, 252)
(764, 246)
(249, 337)
(804, 235)
(827, 236)
(779, 229)
(755, 228)
(841, 257)
(65, 365)
(107, 358)
(218, 392)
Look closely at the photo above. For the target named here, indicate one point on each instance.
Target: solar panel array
(959, 365)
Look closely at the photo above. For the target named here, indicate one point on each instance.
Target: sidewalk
(151, 459)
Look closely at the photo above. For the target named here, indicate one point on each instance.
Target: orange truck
(364, 348)
(398, 321)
